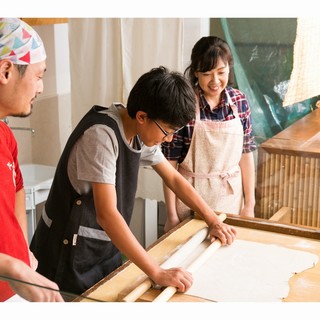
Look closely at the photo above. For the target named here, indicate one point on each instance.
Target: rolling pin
(173, 261)
(167, 293)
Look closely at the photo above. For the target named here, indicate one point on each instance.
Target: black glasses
(166, 134)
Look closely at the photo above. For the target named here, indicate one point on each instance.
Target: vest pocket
(93, 259)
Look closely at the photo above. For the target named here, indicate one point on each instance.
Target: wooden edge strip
(272, 226)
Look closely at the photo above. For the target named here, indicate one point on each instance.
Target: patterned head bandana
(20, 43)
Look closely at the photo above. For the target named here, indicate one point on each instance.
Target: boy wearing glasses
(86, 218)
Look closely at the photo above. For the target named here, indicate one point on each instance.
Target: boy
(85, 224)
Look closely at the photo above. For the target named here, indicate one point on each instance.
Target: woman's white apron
(212, 163)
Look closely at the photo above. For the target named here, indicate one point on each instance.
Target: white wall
(51, 118)
(149, 183)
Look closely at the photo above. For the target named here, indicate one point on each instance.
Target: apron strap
(197, 110)
(232, 105)
(226, 177)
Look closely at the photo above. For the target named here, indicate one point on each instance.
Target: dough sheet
(247, 271)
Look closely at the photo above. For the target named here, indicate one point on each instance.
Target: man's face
(22, 90)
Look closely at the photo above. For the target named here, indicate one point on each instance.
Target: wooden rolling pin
(167, 293)
(173, 261)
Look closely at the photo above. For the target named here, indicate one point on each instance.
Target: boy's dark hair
(163, 95)
(205, 55)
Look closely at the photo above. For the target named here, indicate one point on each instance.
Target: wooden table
(304, 286)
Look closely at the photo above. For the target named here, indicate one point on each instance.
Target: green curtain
(262, 49)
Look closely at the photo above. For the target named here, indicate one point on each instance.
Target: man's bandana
(20, 43)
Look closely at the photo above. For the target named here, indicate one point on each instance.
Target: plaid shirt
(178, 148)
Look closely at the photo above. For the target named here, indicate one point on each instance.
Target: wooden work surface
(302, 137)
(304, 287)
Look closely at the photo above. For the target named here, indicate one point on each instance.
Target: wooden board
(44, 21)
(303, 287)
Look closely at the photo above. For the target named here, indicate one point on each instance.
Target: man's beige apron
(212, 163)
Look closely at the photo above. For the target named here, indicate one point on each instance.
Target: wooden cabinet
(288, 173)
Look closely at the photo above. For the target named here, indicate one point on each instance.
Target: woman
(214, 152)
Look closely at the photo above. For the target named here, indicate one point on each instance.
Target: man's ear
(6, 67)
(141, 117)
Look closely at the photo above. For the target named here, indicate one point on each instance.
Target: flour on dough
(247, 271)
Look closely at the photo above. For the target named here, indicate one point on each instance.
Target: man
(22, 66)
(85, 225)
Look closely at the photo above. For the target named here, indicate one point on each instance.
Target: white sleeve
(151, 156)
